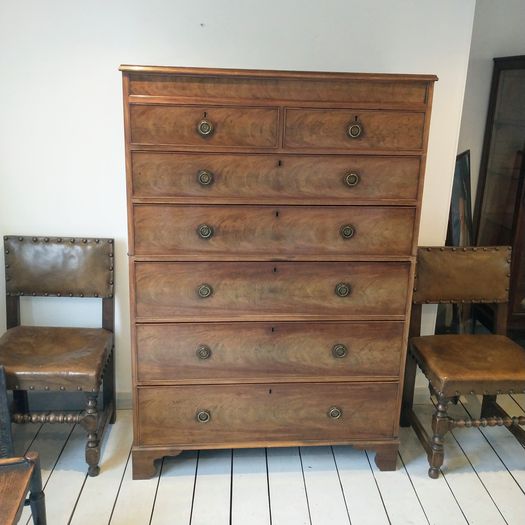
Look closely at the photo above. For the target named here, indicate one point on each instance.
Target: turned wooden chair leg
(108, 388)
(36, 494)
(408, 390)
(488, 406)
(440, 426)
(90, 423)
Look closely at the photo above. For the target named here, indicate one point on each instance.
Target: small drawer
(229, 291)
(204, 126)
(272, 179)
(354, 130)
(206, 415)
(268, 232)
(252, 352)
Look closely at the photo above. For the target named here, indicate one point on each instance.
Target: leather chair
(51, 359)
(18, 475)
(483, 364)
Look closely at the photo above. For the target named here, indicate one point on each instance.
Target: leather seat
(48, 358)
(460, 364)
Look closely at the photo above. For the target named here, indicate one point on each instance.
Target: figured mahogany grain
(347, 90)
(384, 130)
(266, 232)
(256, 351)
(274, 179)
(177, 125)
(269, 290)
(265, 412)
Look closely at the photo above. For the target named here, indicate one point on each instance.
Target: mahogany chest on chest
(273, 220)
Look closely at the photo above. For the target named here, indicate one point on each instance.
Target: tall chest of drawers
(273, 220)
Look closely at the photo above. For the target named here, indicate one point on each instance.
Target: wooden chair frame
(492, 414)
(93, 420)
(29, 464)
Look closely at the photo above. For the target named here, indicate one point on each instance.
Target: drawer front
(262, 232)
(204, 126)
(274, 179)
(211, 352)
(354, 129)
(229, 291)
(334, 90)
(265, 412)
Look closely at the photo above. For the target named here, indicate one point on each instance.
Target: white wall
(61, 139)
(499, 31)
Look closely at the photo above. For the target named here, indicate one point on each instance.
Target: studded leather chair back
(462, 275)
(70, 267)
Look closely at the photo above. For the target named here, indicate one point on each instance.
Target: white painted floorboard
(174, 499)
(481, 483)
(287, 491)
(250, 502)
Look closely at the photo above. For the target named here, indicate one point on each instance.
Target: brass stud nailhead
(97, 240)
(62, 388)
(79, 388)
(58, 294)
(72, 241)
(46, 239)
(46, 388)
(19, 238)
(59, 239)
(110, 241)
(31, 387)
(35, 239)
(84, 241)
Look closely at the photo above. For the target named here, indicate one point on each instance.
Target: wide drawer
(212, 178)
(262, 232)
(372, 91)
(230, 353)
(204, 126)
(229, 291)
(354, 130)
(265, 412)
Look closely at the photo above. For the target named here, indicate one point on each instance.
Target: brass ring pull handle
(204, 231)
(205, 178)
(354, 129)
(339, 351)
(347, 231)
(203, 352)
(343, 289)
(205, 128)
(204, 291)
(203, 416)
(351, 179)
(335, 412)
